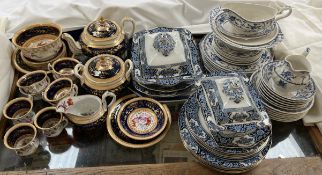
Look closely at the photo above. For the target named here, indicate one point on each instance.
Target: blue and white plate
(150, 66)
(220, 164)
(249, 44)
(198, 129)
(209, 53)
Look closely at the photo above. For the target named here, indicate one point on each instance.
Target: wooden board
(289, 166)
(316, 137)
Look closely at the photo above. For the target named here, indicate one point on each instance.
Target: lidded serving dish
(104, 72)
(233, 111)
(101, 36)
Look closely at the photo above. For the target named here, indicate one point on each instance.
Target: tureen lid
(102, 29)
(104, 68)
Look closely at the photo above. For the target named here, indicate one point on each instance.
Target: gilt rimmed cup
(59, 89)
(39, 42)
(33, 83)
(50, 122)
(19, 110)
(22, 138)
(63, 67)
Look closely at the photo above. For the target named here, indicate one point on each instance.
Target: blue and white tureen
(166, 57)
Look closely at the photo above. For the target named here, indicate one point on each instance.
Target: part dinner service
(229, 84)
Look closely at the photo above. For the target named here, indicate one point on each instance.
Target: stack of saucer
(283, 105)
(138, 122)
(166, 63)
(241, 39)
(224, 124)
(37, 46)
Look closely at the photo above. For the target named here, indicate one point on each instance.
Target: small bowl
(19, 110)
(50, 122)
(63, 67)
(33, 83)
(142, 118)
(39, 42)
(22, 138)
(59, 89)
(43, 65)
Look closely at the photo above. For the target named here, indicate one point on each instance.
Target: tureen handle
(281, 14)
(128, 19)
(77, 68)
(74, 46)
(108, 94)
(129, 66)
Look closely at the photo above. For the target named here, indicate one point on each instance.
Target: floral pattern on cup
(39, 42)
(22, 138)
(50, 122)
(33, 83)
(19, 110)
(59, 89)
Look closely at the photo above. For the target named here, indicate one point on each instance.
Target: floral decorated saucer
(142, 118)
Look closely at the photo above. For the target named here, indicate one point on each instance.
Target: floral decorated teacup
(39, 42)
(33, 83)
(22, 138)
(19, 110)
(50, 122)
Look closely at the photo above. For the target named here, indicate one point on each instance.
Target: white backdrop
(302, 29)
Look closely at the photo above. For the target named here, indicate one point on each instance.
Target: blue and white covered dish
(165, 57)
(233, 111)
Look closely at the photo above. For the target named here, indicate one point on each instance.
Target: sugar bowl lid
(104, 68)
(102, 29)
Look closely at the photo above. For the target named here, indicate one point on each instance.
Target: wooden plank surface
(316, 137)
(289, 166)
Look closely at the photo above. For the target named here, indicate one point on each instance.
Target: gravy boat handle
(108, 94)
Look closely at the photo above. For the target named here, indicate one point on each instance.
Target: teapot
(293, 73)
(101, 36)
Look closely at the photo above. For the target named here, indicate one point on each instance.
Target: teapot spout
(72, 44)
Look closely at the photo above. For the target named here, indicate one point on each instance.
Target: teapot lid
(102, 28)
(105, 67)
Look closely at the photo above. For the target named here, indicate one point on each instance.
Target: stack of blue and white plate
(166, 63)
(224, 124)
(282, 102)
(240, 42)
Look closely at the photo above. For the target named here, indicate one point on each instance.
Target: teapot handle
(128, 19)
(129, 65)
(108, 94)
(281, 14)
(74, 46)
(77, 68)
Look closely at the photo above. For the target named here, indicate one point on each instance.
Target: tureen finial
(102, 25)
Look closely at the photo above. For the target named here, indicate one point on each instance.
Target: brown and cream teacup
(33, 83)
(59, 89)
(22, 138)
(63, 67)
(50, 122)
(39, 42)
(19, 110)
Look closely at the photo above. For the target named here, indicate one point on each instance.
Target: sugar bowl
(104, 72)
(101, 36)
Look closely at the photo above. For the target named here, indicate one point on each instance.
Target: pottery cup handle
(75, 90)
(77, 68)
(128, 19)
(129, 65)
(108, 94)
(50, 67)
(64, 122)
(284, 12)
